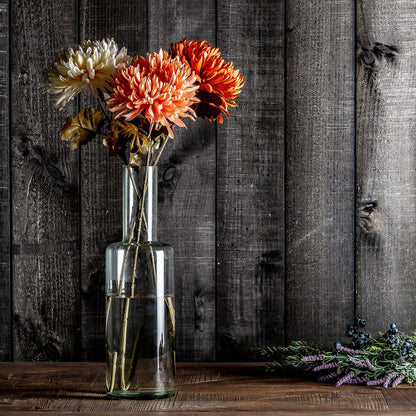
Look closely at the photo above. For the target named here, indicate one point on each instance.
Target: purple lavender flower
(376, 382)
(345, 379)
(369, 365)
(325, 366)
(358, 380)
(341, 348)
(357, 363)
(328, 376)
(388, 379)
(354, 380)
(398, 380)
(310, 358)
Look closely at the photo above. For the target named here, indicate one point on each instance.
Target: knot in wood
(367, 57)
(385, 50)
(169, 174)
(367, 219)
(52, 351)
(371, 56)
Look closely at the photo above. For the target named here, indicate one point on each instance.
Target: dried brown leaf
(82, 128)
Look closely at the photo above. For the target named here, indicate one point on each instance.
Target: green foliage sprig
(388, 360)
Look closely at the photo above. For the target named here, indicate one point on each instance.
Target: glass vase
(140, 315)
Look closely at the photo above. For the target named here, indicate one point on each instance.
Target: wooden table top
(202, 389)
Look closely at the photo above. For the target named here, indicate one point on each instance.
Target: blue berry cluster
(359, 339)
(394, 340)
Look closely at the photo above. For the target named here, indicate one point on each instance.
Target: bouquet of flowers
(388, 360)
(141, 99)
(140, 102)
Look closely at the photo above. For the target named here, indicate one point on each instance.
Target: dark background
(293, 215)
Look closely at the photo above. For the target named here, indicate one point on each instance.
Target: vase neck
(139, 218)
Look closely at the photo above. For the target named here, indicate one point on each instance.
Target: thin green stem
(113, 372)
(126, 305)
(165, 140)
(139, 228)
(121, 285)
(134, 356)
(130, 239)
(123, 341)
(114, 355)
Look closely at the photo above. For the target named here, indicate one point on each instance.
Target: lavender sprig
(329, 376)
(359, 380)
(325, 366)
(376, 382)
(340, 347)
(369, 365)
(388, 360)
(398, 380)
(388, 379)
(345, 379)
(312, 358)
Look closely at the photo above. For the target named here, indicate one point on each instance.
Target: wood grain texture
(386, 160)
(319, 169)
(5, 272)
(206, 389)
(187, 190)
(45, 190)
(101, 218)
(250, 182)
(238, 201)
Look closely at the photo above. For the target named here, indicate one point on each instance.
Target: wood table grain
(202, 389)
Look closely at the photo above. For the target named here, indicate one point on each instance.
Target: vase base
(141, 394)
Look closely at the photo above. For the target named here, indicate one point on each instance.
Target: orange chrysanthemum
(158, 87)
(219, 82)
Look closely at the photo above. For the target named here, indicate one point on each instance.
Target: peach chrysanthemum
(158, 87)
(219, 82)
(88, 65)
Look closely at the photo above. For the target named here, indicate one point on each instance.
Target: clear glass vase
(140, 314)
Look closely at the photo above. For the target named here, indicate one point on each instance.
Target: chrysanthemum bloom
(219, 82)
(88, 65)
(158, 87)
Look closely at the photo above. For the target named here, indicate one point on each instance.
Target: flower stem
(123, 341)
(141, 220)
(113, 372)
(139, 228)
(126, 305)
(103, 109)
(123, 271)
(134, 355)
(165, 140)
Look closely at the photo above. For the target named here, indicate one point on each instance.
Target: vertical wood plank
(45, 190)
(250, 182)
(5, 300)
(386, 160)
(187, 191)
(101, 218)
(320, 169)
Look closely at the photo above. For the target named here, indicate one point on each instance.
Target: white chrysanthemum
(87, 65)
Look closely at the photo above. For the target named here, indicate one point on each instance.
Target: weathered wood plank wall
(5, 301)
(319, 168)
(187, 194)
(100, 211)
(386, 162)
(45, 203)
(250, 182)
(287, 219)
